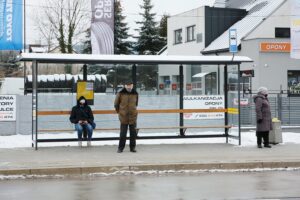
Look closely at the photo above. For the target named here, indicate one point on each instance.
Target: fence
(285, 108)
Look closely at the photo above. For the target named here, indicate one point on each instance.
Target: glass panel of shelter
(234, 94)
(57, 91)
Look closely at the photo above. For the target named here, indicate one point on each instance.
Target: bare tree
(64, 21)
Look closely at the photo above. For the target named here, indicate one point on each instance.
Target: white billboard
(8, 107)
(203, 102)
(295, 29)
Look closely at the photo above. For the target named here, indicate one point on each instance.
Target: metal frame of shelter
(134, 60)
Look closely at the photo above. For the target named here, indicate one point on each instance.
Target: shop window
(178, 36)
(190, 33)
(294, 83)
(282, 33)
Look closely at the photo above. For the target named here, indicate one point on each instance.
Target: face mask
(128, 89)
(82, 101)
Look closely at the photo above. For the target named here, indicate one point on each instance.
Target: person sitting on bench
(82, 117)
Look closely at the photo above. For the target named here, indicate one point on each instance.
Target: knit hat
(128, 82)
(263, 90)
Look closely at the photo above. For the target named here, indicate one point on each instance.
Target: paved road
(241, 185)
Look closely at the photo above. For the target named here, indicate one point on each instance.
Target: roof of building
(258, 11)
(130, 59)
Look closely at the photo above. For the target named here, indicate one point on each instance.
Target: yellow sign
(85, 89)
(234, 111)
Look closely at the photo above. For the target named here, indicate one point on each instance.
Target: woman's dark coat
(81, 113)
(263, 113)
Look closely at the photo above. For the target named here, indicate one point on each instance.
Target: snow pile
(248, 139)
(146, 173)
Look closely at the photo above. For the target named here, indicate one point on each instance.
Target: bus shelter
(46, 118)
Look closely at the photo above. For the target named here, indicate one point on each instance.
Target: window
(282, 33)
(190, 33)
(178, 36)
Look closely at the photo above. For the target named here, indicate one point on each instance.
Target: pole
(181, 122)
(134, 80)
(239, 104)
(34, 104)
(24, 47)
(226, 100)
(24, 25)
(84, 72)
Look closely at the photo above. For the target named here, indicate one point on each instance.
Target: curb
(137, 168)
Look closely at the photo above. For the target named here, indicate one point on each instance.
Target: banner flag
(11, 25)
(102, 28)
(295, 29)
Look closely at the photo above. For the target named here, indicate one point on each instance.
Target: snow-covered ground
(248, 139)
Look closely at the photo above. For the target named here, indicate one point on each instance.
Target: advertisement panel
(8, 107)
(295, 29)
(203, 102)
(86, 89)
(294, 83)
(11, 25)
(102, 28)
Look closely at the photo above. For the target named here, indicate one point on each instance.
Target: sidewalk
(104, 159)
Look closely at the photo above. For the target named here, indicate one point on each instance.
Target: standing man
(263, 117)
(126, 103)
(83, 118)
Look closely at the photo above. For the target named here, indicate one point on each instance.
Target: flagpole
(24, 24)
(24, 47)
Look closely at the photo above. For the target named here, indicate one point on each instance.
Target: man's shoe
(267, 146)
(133, 150)
(259, 146)
(119, 151)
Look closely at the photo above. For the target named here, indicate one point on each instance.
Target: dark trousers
(262, 135)
(123, 133)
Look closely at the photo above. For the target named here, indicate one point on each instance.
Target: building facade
(263, 31)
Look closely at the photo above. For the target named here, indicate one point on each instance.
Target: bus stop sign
(233, 41)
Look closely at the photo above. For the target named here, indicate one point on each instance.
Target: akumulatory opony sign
(204, 102)
(7, 108)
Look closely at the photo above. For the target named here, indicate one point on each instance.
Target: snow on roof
(104, 77)
(258, 10)
(130, 59)
(39, 49)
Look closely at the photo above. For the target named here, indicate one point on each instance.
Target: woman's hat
(263, 90)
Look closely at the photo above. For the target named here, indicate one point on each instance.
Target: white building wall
(182, 21)
(270, 67)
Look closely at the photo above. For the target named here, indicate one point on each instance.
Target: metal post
(218, 80)
(34, 103)
(24, 50)
(24, 14)
(239, 103)
(181, 122)
(226, 100)
(133, 75)
(85, 72)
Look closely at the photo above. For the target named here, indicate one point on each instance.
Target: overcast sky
(131, 10)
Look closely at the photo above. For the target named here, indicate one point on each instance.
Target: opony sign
(204, 102)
